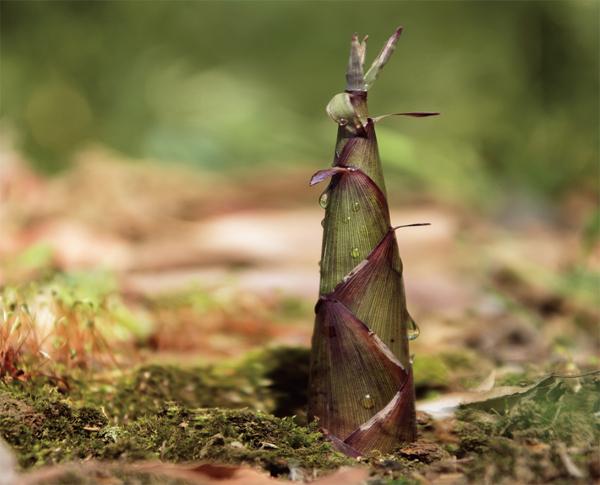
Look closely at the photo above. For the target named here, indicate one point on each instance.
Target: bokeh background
(232, 86)
(155, 210)
(168, 145)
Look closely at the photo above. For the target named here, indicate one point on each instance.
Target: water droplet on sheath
(354, 253)
(413, 330)
(347, 219)
(368, 402)
(355, 207)
(324, 199)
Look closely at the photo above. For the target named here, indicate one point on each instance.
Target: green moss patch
(52, 429)
(273, 380)
(170, 413)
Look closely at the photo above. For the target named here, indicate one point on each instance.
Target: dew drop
(355, 206)
(354, 253)
(347, 219)
(413, 330)
(367, 401)
(324, 199)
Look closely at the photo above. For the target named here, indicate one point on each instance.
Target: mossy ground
(165, 413)
(224, 414)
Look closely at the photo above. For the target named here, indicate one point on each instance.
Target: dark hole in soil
(290, 382)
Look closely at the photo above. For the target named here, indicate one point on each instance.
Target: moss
(125, 417)
(42, 427)
(448, 370)
(431, 372)
(17, 420)
(218, 414)
(214, 414)
(52, 429)
(272, 380)
(146, 389)
(234, 436)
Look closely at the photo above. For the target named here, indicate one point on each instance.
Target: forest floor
(156, 330)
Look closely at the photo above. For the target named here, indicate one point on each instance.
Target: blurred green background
(235, 86)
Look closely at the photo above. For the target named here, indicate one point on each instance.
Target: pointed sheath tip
(416, 224)
(399, 30)
(414, 114)
(340, 446)
(317, 178)
(321, 175)
(422, 115)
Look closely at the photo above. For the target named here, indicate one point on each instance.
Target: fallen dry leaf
(201, 474)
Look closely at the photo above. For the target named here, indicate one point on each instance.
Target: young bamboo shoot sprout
(361, 386)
